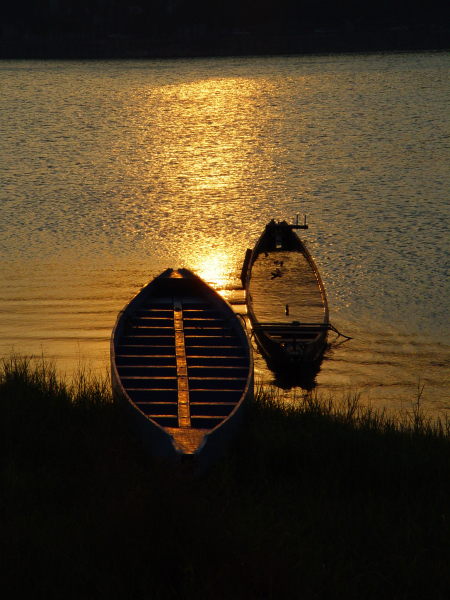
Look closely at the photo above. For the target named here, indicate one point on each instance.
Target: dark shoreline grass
(320, 499)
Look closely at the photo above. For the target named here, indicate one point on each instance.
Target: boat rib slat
(217, 361)
(147, 370)
(144, 360)
(213, 403)
(146, 340)
(201, 331)
(142, 350)
(218, 372)
(160, 332)
(208, 390)
(213, 352)
(159, 409)
(202, 340)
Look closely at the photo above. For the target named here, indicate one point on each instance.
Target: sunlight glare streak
(215, 267)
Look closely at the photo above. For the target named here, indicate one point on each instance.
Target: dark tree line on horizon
(94, 19)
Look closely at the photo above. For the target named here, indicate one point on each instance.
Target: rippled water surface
(112, 171)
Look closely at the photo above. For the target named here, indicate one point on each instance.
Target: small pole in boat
(297, 218)
(305, 220)
(287, 310)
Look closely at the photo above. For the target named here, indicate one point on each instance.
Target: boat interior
(284, 289)
(182, 362)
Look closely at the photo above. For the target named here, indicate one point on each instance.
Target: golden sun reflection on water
(218, 269)
(201, 155)
(216, 266)
(215, 269)
(206, 142)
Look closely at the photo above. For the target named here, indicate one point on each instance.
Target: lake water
(112, 171)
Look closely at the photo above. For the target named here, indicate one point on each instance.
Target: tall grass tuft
(322, 497)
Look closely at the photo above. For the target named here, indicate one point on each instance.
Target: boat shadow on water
(303, 376)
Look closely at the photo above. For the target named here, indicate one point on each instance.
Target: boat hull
(182, 368)
(286, 300)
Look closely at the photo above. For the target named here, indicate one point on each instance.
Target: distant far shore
(237, 43)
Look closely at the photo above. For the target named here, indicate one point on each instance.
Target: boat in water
(182, 365)
(286, 298)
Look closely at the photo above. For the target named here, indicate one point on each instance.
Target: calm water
(112, 171)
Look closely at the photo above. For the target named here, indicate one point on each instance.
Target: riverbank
(324, 498)
(237, 43)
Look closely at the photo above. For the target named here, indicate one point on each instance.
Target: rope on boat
(244, 322)
(333, 328)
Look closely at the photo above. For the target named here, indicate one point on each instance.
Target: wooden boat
(182, 364)
(286, 299)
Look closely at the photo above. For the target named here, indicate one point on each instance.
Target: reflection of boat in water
(286, 299)
(182, 364)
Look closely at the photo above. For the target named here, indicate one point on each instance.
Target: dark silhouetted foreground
(320, 500)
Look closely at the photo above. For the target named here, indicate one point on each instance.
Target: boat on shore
(286, 299)
(182, 365)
